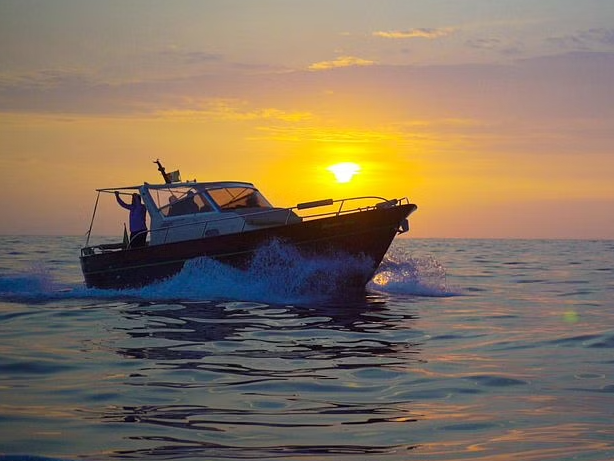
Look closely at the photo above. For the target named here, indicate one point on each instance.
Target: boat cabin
(186, 211)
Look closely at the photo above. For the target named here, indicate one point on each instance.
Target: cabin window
(230, 198)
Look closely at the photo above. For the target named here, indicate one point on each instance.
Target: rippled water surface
(459, 350)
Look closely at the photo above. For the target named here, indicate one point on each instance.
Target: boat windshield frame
(232, 197)
(176, 199)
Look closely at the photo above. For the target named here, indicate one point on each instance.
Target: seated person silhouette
(183, 206)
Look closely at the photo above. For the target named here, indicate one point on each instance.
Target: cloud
(584, 39)
(233, 110)
(496, 45)
(139, 69)
(428, 33)
(341, 61)
(484, 43)
(189, 57)
(329, 135)
(569, 85)
(411, 131)
(45, 79)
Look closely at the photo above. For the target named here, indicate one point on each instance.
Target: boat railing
(382, 203)
(279, 216)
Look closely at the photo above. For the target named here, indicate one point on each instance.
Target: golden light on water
(345, 171)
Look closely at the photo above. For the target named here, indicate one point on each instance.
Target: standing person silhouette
(138, 227)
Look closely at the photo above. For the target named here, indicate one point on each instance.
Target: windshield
(230, 198)
(180, 201)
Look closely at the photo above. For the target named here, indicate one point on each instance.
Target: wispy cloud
(341, 61)
(584, 39)
(146, 67)
(189, 57)
(45, 79)
(328, 135)
(233, 110)
(496, 45)
(428, 33)
(484, 43)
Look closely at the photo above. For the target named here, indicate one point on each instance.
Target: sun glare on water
(344, 172)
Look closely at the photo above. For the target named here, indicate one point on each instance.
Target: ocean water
(459, 350)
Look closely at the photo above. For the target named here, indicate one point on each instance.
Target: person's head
(252, 200)
(136, 198)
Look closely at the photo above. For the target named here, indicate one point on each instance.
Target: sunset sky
(495, 116)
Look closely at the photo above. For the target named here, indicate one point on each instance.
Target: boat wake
(277, 274)
(411, 276)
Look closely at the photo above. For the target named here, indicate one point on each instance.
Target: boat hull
(366, 234)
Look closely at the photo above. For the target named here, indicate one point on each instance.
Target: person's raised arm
(120, 201)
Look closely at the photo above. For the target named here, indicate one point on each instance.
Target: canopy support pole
(89, 231)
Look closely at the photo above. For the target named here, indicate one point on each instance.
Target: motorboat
(228, 221)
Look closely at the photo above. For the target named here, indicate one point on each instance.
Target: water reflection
(189, 330)
(251, 381)
(183, 449)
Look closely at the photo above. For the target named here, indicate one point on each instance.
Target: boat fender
(404, 227)
(317, 203)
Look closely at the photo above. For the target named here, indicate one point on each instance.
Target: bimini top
(208, 184)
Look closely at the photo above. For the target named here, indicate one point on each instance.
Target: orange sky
(498, 121)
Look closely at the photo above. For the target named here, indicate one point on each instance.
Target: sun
(344, 172)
